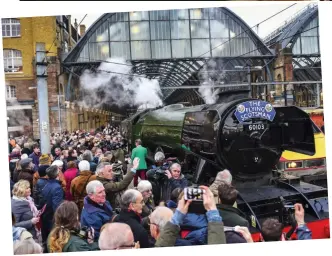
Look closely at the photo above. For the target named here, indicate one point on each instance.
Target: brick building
(20, 36)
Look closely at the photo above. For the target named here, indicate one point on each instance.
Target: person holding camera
(105, 175)
(169, 233)
(67, 235)
(272, 229)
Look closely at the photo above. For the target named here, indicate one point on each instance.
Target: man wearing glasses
(130, 214)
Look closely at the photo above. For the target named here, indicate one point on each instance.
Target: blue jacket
(197, 224)
(303, 233)
(48, 192)
(95, 216)
(179, 183)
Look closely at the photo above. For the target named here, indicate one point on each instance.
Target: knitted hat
(44, 159)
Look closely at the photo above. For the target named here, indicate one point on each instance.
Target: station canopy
(301, 34)
(174, 46)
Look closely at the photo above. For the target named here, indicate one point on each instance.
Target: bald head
(116, 236)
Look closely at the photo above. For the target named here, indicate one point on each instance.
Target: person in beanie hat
(44, 163)
(45, 159)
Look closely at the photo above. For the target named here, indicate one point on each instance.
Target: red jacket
(69, 174)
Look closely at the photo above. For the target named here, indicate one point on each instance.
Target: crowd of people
(90, 193)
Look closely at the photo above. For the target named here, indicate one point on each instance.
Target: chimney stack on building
(82, 30)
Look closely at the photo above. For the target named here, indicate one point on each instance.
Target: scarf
(32, 205)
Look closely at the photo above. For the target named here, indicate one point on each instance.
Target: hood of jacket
(17, 231)
(20, 205)
(194, 221)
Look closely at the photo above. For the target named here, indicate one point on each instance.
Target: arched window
(11, 92)
(11, 27)
(12, 60)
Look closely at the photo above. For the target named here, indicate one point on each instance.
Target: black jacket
(134, 222)
(231, 216)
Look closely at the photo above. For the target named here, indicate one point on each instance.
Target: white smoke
(114, 84)
(17, 118)
(210, 75)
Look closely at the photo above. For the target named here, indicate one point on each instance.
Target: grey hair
(84, 166)
(87, 155)
(160, 216)
(130, 196)
(144, 185)
(225, 176)
(114, 235)
(101, 167)
(159, 156)
(92, 186)
(27, 246)
(174, 165)
(52, 172)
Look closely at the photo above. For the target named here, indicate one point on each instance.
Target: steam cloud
(17, 117)
(209, 76)
(114, 84)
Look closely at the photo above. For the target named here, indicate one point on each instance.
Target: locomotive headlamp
(290, 165)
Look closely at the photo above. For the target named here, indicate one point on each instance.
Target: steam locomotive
(247, 136)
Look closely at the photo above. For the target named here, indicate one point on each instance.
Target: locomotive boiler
(246, 136)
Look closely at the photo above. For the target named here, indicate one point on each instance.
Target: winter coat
(78, 188)
(26, 174)
(303, 233)
(134, 222)
(169, 234)
(23, 215)
(20, 234)
(48, 192)
(11, 187)
(141, 153)
(95, 216)
(197, 225)
(178, 183)
(35, 158)
(232, 216)
(112, 188)
(69, 175)
(77, 244)
(62, 179)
